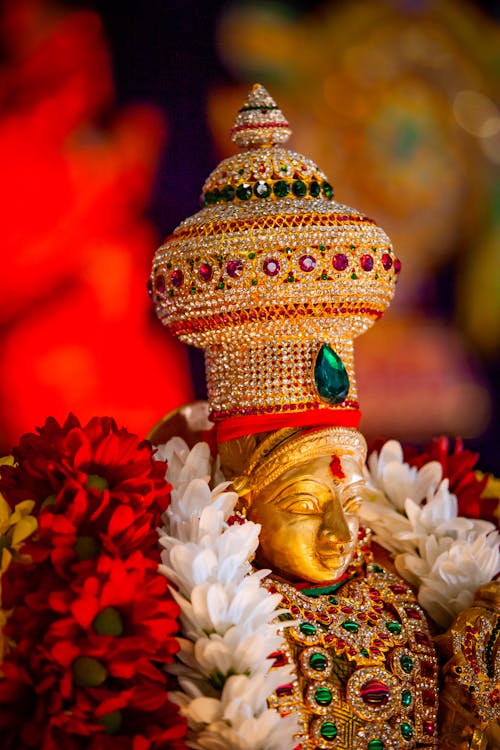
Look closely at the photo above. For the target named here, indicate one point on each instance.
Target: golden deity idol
(274, 280)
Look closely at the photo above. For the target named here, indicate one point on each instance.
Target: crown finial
(260, 122)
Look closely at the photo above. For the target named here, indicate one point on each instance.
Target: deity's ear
(242, 486)
(235, 455)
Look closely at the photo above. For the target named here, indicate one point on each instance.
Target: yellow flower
(15, 527)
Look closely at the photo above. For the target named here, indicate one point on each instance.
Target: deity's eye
(300, 503)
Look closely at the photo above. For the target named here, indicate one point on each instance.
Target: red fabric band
(236, 427)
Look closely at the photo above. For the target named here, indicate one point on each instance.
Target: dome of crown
(271, 257)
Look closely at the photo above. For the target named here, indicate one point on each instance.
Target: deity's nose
(334, 527)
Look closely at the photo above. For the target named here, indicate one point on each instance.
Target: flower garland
(88, 624)
(414, 516)
(228, 621)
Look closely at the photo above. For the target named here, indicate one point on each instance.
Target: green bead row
(280, 188)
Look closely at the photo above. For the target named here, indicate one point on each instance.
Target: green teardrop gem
(393, 627)
(376, 745)
(307, 628)
(318, 662)
(406, 663)
(405, 698)
(323, 696)
(330, 376)
(328, 730)
(406, 730)
(350, 626)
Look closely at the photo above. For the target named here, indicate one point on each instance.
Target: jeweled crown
(274, 279)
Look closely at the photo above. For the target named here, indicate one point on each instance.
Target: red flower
(458, 466)
(93, 622)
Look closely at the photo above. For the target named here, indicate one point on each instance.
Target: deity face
(309, 519)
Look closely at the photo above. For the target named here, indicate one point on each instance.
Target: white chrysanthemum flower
(214, 608)
(456, 574)
(240, 718)
(397, 480)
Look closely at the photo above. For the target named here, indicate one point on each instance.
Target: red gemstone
(428, 727)
(413, 614)
(279, 658)
(149, 287)
(366, 262)
(283, 690)
(177, 277)
(160, 283)
(271, 267)
(428, 697)
(397, 265)
(375, 693)
(427, 669)
(234, 268)
(307, 263)
(206, 271)
(386, 261)
(340, 262)
(398, 589)
(422, 639)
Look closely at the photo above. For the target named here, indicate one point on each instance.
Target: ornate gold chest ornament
(274, 280)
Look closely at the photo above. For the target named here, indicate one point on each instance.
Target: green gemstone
(350, 626)
(88, 672)
(323, 696)
(108, 622)
(327, 189)
(209, 198)
(405, 698)
(376, 569)
(299, 188)
(330, 376)
(171, 292)
(364, 653)
(318, 662)
(262, 190)
(254, 282)
(324, 276)
(308, 628)
(322, 248)
(281, 188)
(375, 745)
(353, 276)
(251, 256)
(111, 722)
(393, 627)
(240, 171)
(244, 192)
(406, 730)
(332, 600)
(288, 250)
(220, 285)
(227, 193)
(406, 664)
(314, 189)
(328, 730)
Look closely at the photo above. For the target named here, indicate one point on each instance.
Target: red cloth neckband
(236, 427)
